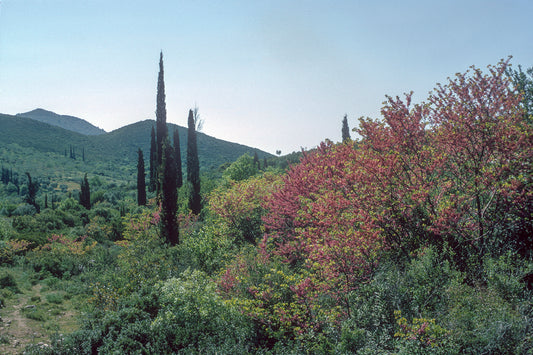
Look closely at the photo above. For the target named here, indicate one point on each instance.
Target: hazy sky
(269, 74)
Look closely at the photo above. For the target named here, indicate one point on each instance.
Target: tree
(241, 169)
(153, 162)
(523, 81)
(141, 183)
(481, 129)
(193, 166)
(161, 117)
(169, 198)
(256, 161)
(345, 130)
(33, 187)
(85, 194)
(177, 157)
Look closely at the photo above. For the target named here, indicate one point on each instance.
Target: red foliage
(454, 173)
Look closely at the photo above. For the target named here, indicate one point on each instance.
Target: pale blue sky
(269, 74)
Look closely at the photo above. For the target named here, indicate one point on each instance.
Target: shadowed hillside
(70, 123)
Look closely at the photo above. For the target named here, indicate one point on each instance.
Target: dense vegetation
(413, 238)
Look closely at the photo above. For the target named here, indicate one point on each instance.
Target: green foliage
(169, 196)
(7, 281)
(61, 256)
(193, 166)
(193, 315)
(240, 206)
(36, 313)
(241, 169)
(208, 248)
(481, 321)
(54, 297)
(422, 336)
(10, 249)
(504, 276)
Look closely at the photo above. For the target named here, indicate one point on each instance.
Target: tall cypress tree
(256, 161)
(153, 162)
(33, 187)
(141, 182)
(193, 166)
(161, 120)
(85, 194)
(345, 130)
(177, 157)
(161, 112)
(169, 196)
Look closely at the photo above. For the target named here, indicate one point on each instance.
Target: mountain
(70, 123)
(40, 146)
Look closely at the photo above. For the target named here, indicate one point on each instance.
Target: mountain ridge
(68, 122)
(116, 148)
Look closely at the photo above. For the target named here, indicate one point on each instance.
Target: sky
(271, 74)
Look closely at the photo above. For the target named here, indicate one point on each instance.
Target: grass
(52, 310)
(54, 297)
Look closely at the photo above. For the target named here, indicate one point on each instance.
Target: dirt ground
(17, 331)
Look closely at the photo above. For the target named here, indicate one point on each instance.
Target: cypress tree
(153, 162)
(161, 112)
(33, 187)
(256, 161)
(141, 183)
(177, 157)
(161, 121)
(193, 166)
(345, 130)
(85, 194)
(169, 198)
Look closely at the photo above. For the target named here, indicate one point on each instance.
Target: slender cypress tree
(169, 196)
(85, 194)
(161, 121)
(256, 161)
(345, 130)
(33, 187)
(193, 166)
(161, 112)
(177, 157)
(153, 163)
(141, 182)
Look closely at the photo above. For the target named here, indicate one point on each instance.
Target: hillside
(70, 123)
(35, 145)
(212, 152)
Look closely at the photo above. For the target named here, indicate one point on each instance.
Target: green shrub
(482, 322)
(207, 249)
(504, 274)
(8, 282)
(55, 297)
(35, 313)
(4, 339)
(194, 316)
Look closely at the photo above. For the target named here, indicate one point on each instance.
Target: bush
(194, 316)
(483, 322)
(24, 210)
(55, 297)
(35, 313)
(7, 282)
(504, 275)
(61, 257)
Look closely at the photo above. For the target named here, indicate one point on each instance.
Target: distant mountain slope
(70, 123)
(212, 152)
(118, 147)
